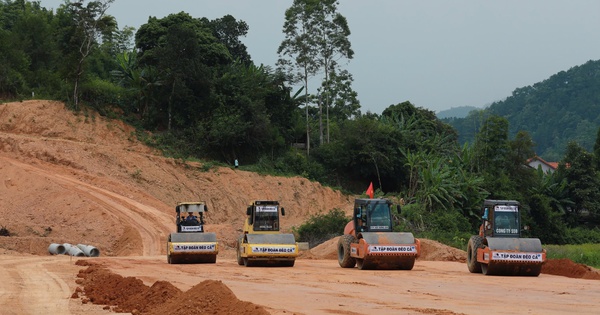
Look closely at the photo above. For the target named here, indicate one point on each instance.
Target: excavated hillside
(81, 178)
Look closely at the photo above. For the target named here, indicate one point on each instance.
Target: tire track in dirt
(10, 286)
(151, 223)
(36, 290)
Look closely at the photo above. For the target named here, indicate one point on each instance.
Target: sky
(437, 54)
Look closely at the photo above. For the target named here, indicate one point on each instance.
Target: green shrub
(580, 235)
(291, 163)
(449, 227)
(99, 94)
(322, 227)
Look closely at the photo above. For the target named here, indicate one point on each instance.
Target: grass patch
(587, 254)
(137, 175)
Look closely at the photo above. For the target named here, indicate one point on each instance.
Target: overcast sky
(436, 54)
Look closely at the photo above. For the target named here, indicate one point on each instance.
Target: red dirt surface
(568, 268)
(131, 295)
(80, 178)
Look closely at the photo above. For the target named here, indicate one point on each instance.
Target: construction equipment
(191, 244)
(499, 248)
(369, 241)
(262, 244)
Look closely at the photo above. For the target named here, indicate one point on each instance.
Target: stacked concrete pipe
(57, 249)
(89, 250)
(73, 250)
(80, 250)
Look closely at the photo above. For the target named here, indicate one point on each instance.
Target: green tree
(316, 37)
(300, 47)
(492, 149)
(333, 45)
(28, 50)
(520, 150)
(597, 151)
(342, 99)
(583, 182)
(188, 58)
(13, 63)
(92, 24)
(143, 83)
(228, 31)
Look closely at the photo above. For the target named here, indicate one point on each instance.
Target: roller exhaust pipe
(57, 249)
(89, 250)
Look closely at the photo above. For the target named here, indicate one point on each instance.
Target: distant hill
(562, 108)
(456, 112)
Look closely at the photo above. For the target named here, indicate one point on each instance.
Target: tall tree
(333, 46)
(299, 46)
(91, 21)
(316, 37)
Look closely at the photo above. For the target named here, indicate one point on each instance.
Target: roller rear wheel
(475, 242)
(240, 260)
(344, 258)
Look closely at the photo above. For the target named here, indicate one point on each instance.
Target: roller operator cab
(369, 240)
(499, 249)
(191, 244)
(262, 243)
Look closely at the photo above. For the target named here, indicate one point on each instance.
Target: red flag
(370, 190)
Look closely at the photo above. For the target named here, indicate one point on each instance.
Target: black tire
(344, 258)
(475, 242)
(168, 255)
(240, 260)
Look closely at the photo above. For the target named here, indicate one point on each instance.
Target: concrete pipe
(67, 247)
(89, 250)
(75, 251)
(56, 249)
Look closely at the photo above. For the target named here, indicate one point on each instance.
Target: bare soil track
(80, 178)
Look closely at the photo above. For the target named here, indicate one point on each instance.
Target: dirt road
(37, 284)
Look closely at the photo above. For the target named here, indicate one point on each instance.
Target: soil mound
(208, 297)
(568, 268)
(325, 250)
(430, 250)
(436, 251)
(131, 295)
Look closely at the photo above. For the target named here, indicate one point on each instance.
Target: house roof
(552, 165)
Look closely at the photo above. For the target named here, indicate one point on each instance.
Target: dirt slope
(81, 178)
